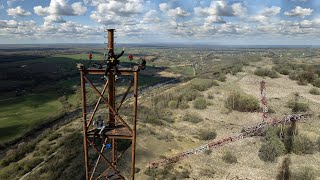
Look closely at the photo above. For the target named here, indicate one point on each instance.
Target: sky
(212, 22)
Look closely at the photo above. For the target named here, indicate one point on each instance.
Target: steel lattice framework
(118, 127)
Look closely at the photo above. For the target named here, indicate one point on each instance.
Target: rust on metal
(118, 127)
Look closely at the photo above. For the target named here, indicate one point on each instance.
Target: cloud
(123, 12)
(221, 8)
(121, 8)
(8, 24)
(54, 19)
(151, 17)
(272, 11)
(164, 7)
(175, 13)
(18, 11)
(61, 8)
(10, 2)
(265, 15)
(299, 11)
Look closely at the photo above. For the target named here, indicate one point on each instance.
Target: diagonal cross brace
(115, 113)
(97, 105)
(105, 159)
(125, 94)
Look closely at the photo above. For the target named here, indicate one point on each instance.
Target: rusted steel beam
(124, 72)
(97, 104)
(125, 94)
(111, 39)
(112, 109)
(97, 162)
(135, 106)
(84, 115)
(105, 159)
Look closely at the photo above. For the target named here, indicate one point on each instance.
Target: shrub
(53, 136)
(284, 70)
(201, 84)
(229, 158)
(316, 82)
(14, 155)
(271, 149)
(300, 107)
(173, 104)
(241, 102)
(318, 144)
(207, 135)
(266, 72)
(200, 103)
(235, 69)
(207, 173)
(297, 106)
(284, 171)
(189, 94)
(222, 77)
(314, 91)
(210, 96)
(207, 152)
(306, 76)
(302, 145)
(302, 82)
(183, 105)
(305, 173)
(194, 118)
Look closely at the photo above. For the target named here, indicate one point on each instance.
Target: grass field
(21, 115)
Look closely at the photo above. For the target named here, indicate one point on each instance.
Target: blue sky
(220, 22)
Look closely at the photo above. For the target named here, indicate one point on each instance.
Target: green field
(23, 114)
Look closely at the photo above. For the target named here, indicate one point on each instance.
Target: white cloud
(54, 19)
(266, 14)
(175, 13)
(259, 18)
(300, 12)
(121, 8)
(164, 7)
(272, 11)
(151, 17)
(117, 13)
(61, 8)
(8, 24)
(221, 8)
(18, 11)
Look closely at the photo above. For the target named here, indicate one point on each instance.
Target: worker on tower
(143, 63)
(100, 129)
(113, 62)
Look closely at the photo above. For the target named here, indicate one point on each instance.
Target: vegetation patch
(207, 135)
(200, 103)
(305, 173)
(241, 102)
(203, 84)
(266, 72)
(272, 147)
(314, 91)
(193, 118)
(229, 158)
(302, 145)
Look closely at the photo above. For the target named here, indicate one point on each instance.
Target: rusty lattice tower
(117, 128)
